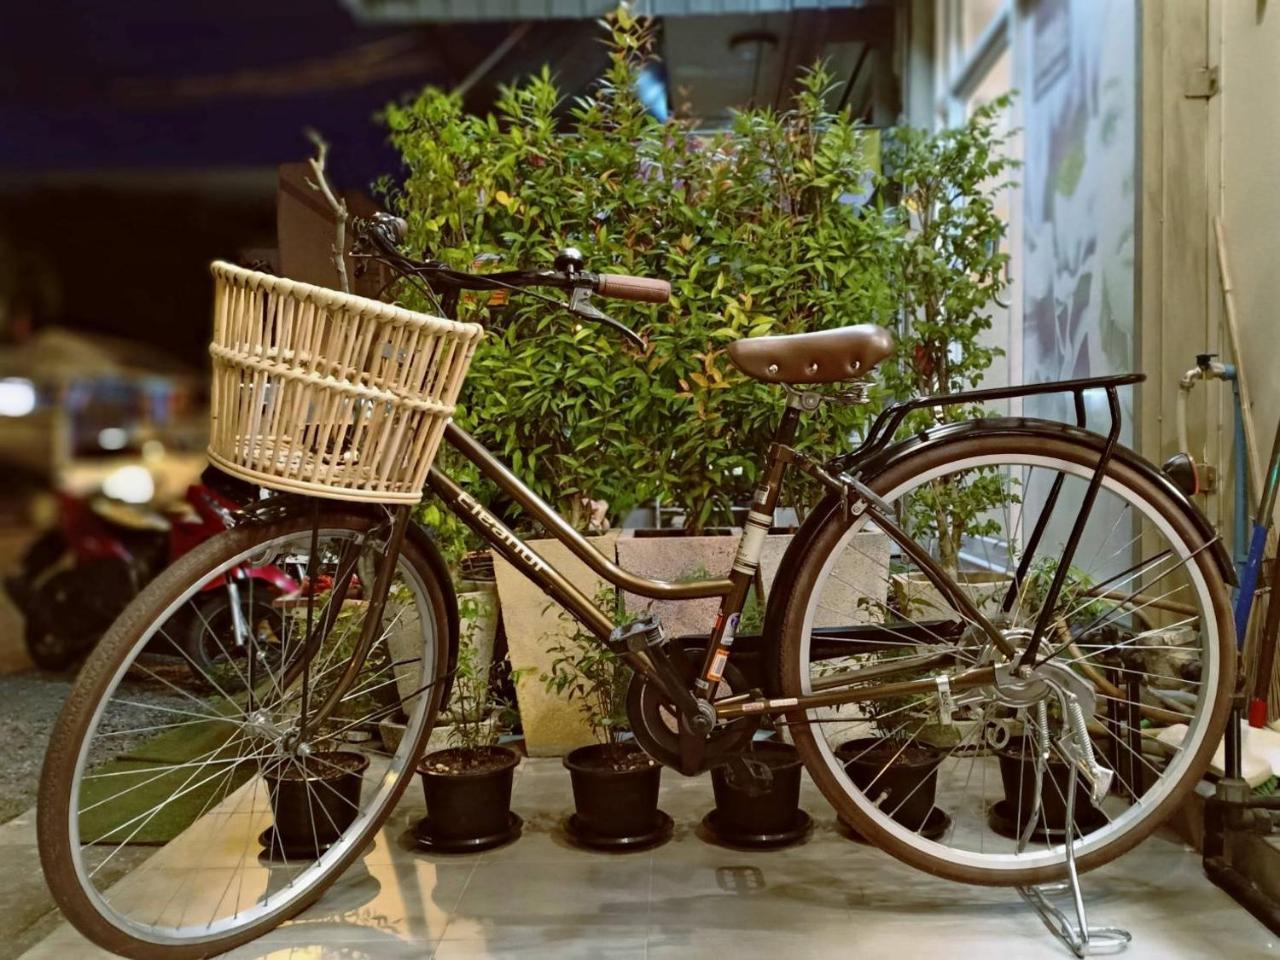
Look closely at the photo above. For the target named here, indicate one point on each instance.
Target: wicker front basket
(329, 394)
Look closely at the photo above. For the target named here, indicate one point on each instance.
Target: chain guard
(654, 720)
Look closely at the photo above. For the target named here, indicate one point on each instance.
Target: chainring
(655, 721)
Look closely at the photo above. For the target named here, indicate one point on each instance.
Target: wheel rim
(232, 810)
(973, 849)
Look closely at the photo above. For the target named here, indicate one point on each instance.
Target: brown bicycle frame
(731, 590)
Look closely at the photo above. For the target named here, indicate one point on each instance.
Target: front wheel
(962, 786)
(178, 814)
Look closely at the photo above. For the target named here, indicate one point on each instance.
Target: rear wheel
(1141, 630)
(157, 813)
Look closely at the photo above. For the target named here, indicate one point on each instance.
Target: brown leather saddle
(824, 356)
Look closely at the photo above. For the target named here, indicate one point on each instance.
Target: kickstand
(1082, 939)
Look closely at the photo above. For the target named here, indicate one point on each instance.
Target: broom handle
(1246, 401)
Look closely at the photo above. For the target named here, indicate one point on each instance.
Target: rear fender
(1032, 428)
(784, 583)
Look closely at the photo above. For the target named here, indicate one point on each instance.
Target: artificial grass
(117, 798)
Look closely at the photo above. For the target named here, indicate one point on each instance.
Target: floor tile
(552, 942)
(829, 897)
(604, 892)
(387, 948)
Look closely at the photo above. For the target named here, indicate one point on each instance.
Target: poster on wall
(1080, 183)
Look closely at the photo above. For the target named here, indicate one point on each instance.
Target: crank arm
(643, 642)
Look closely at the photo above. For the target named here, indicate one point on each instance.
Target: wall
(1078, 84)
(1249, 61)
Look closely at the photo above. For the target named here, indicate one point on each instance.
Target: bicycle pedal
(753, 777)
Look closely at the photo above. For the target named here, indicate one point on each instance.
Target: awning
(473, 10)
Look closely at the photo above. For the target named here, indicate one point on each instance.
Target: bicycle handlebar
(388, 232)
(620, 286)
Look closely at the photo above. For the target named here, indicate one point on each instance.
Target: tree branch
(339, 207)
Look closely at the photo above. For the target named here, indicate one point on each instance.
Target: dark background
(139, 140)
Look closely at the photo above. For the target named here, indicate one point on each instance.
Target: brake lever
(580, 305)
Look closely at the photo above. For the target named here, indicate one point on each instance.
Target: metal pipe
(1185, 384)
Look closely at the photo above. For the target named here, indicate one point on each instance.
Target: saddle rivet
(773, 368)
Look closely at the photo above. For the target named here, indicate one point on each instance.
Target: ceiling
(139, 92)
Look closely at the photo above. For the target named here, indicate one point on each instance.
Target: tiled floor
(540, 897)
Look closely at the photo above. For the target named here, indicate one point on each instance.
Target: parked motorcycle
(76, 578)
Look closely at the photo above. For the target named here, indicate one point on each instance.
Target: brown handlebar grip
(619, 286)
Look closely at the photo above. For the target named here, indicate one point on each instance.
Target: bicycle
(1099, 623)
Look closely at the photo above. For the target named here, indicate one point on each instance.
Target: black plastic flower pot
(313, 803)
(752, 814)
(903, 781)
(468, 796)
(615, 797)
(1018, 777)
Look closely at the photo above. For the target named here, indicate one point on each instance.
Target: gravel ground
(31, 701)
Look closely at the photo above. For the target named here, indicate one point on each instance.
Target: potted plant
(1075, 612)
(781, 224)
(948, 266)
(313, 802)
(615, 783)
(468, 784)
(896, 763)
(758, 809)
(477, 630)
(900, 775)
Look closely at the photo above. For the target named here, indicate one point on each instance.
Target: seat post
(766, 496)
(789, 422)
(746, 561)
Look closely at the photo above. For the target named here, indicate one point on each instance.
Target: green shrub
(751, 225)
(761, 229)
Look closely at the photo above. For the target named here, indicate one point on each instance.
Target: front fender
(273, 576)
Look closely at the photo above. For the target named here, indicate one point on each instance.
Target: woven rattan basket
(329, 394)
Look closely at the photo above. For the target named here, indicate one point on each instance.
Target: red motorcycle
(78, 577)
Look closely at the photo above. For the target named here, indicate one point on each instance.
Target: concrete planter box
(919, 599)
(477, 625)
(672, 555)
(861, 571)
(552, 725)
(392, 732)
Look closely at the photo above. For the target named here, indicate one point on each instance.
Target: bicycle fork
(376, 599)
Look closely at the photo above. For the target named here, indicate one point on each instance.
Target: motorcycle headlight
(17, 397)
(131, 484)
